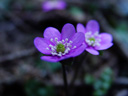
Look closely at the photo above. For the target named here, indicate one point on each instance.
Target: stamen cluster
(92, 39)
(63, 43)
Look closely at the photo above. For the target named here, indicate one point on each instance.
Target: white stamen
(60, 54)
(96, 36)
(70, 42)
(96, 33)
(63, 41)
(52, 49)
(66, 51)
(60, 41)
(67, 44)
(74, 47)
(51, 39)
(57, 42)
(47, 48)
(50, 45)
(66, 39)
(56, 39)
(63, 53)
(53, 53)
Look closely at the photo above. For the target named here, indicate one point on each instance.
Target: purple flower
(58, 46)
(93, 40)
(53, 5)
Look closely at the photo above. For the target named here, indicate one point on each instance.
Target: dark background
(22, 73)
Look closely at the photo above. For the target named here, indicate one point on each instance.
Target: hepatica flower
(58, 46)
(93, 40)
(53, 5)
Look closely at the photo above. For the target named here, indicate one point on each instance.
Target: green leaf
(97, 84)
(77, 13)
(35, 88)
(106, 85)
(89, 79)
(106, 78)
(98, 93)
(108, 71)
(42, 91)
(101, 53)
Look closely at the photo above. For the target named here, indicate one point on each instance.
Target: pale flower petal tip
(93, 39)
(59, 46)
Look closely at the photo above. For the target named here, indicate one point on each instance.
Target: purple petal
(106, 37)
(46, 6)
(92, 26)
(53, 58)
(78, 39)
(51, 5)
(51, 32)
(104, 46)
(50, 58)
(77, 51)
(92, 51)
(68, 31)
(80, 28)
(61, 5)
(41, 44)
(106, 41)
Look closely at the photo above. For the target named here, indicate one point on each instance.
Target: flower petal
(47, 6)
(51, 32)
(50, 58)
(41, 44)
(104, 46)
(68, 31)
(92, 51)
(61, 5)
(80, 28)
(92, 26)
(78, 39)
(77, 51)
(106, 41)
(106, 37)
(53, 58)
(51, 5)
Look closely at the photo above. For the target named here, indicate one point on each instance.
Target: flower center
(92, 39)
(60, 48)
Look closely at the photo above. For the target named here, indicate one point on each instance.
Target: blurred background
(22, 73)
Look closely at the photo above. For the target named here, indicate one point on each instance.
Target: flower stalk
(65, 79)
